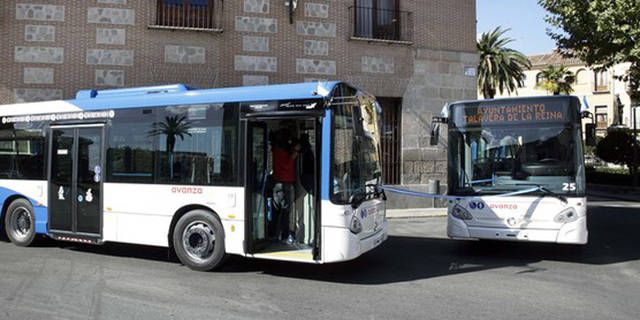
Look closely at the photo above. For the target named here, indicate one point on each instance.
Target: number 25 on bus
(516, 170)
(286, 172)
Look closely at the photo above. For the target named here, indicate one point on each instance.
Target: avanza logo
(506, 206)
(186, 190)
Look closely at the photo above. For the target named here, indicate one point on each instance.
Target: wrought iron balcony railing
(203, 15)
(381, 24)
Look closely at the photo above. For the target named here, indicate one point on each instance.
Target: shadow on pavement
(614, 238)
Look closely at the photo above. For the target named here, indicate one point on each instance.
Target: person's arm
(296, 151)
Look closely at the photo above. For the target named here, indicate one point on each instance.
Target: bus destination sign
(516, 113)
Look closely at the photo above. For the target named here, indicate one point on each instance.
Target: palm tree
(172, 127)
(557, 80)
(501, 68)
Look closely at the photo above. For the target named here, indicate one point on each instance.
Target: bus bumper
(334, 251)
(570, 233)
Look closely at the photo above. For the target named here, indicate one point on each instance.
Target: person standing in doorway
(285, 151)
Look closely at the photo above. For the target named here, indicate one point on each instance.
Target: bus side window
(193, 145)
(130, 156)
(22, 153)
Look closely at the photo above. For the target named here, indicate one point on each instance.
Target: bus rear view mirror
(590, 134)
(435, 130)
(435, 134)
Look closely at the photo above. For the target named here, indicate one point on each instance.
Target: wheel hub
(199, 240)
(21, 223)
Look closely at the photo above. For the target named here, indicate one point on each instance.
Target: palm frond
(501, 69)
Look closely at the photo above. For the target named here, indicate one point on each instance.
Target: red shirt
(284, 168)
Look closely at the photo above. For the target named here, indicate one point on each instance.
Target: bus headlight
(566, 216)
(355, 226)
(461, 213)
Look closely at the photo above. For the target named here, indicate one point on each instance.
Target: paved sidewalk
(416, 213)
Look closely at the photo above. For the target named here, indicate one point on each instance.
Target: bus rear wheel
(198, 240)
(20, 223)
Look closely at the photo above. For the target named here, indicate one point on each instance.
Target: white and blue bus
(191, 170)
(516, 170)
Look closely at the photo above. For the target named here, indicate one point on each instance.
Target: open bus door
(265, 222)
(256, 184)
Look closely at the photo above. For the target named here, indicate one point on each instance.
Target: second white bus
(516, 170)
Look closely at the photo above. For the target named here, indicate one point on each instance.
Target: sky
(525, 18)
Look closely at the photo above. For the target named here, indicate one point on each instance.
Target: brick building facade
(415, 55)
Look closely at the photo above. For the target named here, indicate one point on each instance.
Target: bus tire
(198, 240)
(20, 223)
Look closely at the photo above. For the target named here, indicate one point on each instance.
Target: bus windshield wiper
(546, 191)
(377, 191)
(357, 198)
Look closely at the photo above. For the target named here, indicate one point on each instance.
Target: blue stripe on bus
(171, 95)
(325, 159)
(41, 212)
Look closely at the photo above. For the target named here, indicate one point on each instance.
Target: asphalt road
(416, 274)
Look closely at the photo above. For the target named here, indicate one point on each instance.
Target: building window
(187, 14)
(381, 19)
(582, 77)
(391, 139)
(601, 81)
(538, 78)
(602, 119)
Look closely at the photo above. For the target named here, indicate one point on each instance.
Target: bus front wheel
(20, 223)
(198, 240)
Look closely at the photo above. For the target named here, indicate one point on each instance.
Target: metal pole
(635, 146)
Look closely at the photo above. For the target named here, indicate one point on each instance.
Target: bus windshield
(499, 147)
(356, 165)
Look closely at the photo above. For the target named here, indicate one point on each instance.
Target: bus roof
(176, 94)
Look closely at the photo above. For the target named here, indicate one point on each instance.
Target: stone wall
(39, 54)
(254, 63)
(38, 33)
(184, 54)
(39, 12)
(438, 78)
(110, 78)
(38, 75)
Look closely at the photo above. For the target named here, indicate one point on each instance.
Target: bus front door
(257, 184)
(75, 182)
(281, 218)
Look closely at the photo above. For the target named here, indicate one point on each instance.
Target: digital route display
(492, 113)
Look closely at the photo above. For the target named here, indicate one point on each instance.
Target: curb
(416, 213)
(614, 196)
(598, 186)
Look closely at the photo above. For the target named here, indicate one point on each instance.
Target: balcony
(381, 25)
(195, 15)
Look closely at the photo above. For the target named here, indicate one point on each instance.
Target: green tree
(501, 68)
(617, 147)
(599, 32)
(172, 127)
(557, 80)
